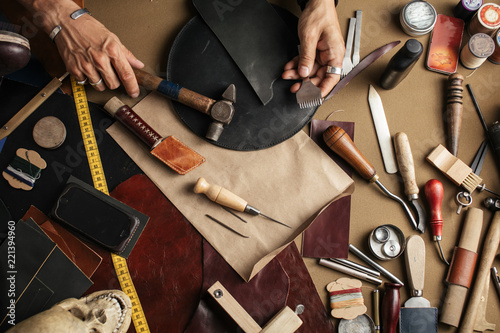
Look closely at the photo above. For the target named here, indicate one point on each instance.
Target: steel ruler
(97, 172)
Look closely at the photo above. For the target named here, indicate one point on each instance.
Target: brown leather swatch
(177, 155)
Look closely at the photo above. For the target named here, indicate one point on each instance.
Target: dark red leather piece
(13, 56)
(166, 263)
(328, 235)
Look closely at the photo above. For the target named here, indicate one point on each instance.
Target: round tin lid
(419, 16)
(360, 324)
(387, 242)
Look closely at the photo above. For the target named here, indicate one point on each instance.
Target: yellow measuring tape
(97, 171)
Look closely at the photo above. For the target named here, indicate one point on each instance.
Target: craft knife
(382, 129)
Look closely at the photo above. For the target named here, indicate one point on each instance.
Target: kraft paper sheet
(291, 182)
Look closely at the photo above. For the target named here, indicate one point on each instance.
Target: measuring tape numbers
(99, 180)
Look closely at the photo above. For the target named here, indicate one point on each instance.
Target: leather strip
(368, 60)
(462, 267)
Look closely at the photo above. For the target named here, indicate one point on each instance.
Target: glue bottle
(401, 64)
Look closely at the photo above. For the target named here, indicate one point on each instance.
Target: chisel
(227, 198)
(338, 141)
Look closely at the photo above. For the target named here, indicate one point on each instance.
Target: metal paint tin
(386, 242)
(486, 20)
(360, 324)
(495, 57)
(474, 54)
(417, 18)
(465, 9)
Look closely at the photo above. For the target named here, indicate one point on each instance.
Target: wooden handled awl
(338, 141)
(228, 199)
(407, 171)
(434, 195)
(454, 110)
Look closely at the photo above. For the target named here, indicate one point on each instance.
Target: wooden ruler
(97, 171)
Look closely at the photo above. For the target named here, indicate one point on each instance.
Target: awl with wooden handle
(169, 150)
(434, 194)
(407, 171)
(228, 199)
(338, 141)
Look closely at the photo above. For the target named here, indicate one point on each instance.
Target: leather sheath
(462, 267)
(328, 235)
(209, 70)
(255, 37)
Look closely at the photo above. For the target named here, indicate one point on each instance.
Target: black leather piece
(414, 320)
(198, 61)
(255, 37)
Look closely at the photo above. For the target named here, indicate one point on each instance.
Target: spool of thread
(465, 9)
(477, 50)
(486, 20)
(495, 57)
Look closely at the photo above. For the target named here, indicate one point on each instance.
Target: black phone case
(96, 216)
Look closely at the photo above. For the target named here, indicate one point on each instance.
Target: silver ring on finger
(82, 82)
(97, 83)
(333, 70)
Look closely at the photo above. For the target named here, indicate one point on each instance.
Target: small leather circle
(49, 132)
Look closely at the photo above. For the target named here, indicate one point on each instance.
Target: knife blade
(382, 129)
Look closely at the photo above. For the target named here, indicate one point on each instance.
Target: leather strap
(462, 267)
(368, 60)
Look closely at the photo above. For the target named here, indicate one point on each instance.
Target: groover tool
(32, 105)
(434, 194)
(286, 321)
(338, 141)
(226, 198)
(456, 170)
(372, 263)
(474, 318)
(169, 150)
(407, 171)
(417, 311)
(454, 111)
(461, 271)
(221, 112)
(382, 130)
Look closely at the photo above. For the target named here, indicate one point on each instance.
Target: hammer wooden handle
(174, 91)
(220, 195)
(405, 163)
(340, 142)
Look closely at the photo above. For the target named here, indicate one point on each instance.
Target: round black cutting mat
(199, 62)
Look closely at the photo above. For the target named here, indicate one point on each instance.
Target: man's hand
(321, 45)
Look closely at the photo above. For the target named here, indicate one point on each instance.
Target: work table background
(416, 106)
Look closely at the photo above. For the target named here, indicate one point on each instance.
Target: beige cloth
(290, 182)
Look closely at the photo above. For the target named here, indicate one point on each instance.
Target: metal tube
(356, 266)
(372, 263)
(349, 271)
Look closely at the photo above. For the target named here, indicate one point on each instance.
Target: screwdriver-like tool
(434, 194)
(340, 142)
(227, 198)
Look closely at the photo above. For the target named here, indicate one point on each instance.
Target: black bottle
(401, 64)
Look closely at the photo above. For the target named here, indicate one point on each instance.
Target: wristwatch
(303, 3)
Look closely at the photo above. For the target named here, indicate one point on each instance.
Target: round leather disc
(49, 132)
(199, 62)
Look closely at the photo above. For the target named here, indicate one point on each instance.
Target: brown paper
(290, 182)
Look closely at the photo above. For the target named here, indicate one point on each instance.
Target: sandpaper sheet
(291, 182)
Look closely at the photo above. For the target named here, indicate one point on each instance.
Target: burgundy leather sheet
(166, 268)
(328, 235)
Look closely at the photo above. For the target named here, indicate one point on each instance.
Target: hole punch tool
(226, 198)
(340, 142)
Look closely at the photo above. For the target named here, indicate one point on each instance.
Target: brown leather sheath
(462, 267)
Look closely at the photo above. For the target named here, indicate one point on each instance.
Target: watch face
(472, 4)
(420, 15)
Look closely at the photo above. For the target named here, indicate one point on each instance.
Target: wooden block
(284, 322)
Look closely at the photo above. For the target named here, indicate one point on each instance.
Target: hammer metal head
(222, 113)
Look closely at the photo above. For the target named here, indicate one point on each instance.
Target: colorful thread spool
(475, 53)
(24, 170)
(495, 57)
(346, 299)
(465, 9)
(486, 20)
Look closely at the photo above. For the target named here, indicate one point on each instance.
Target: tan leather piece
(462, 267)
(177, 155)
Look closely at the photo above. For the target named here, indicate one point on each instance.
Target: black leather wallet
(96, 216)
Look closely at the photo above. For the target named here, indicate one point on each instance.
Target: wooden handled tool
(390, 307)
(454, 110)
(474, 316)
(340, 142)
(228, 199)
(415, 269)
(434, 194)
(407, 171)
(458, 287)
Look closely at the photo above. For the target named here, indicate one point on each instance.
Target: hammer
(221, 111)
